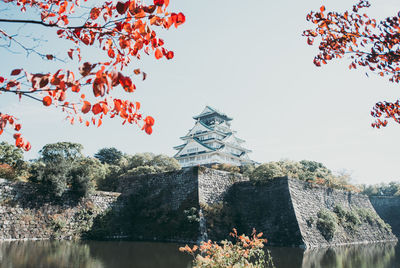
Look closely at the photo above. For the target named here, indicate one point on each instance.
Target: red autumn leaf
(17, 127)
(49, 56)
(96, 109)
(86, 68)
(170, 55)
(158, 2)
(95, 13)
(86, 107)
(2, 79)
(75, 88)
(158, 54)
(180, 19)
(47, 101)
(136, 71)
(16, 71)
(99, 88)
(121, 8)
(111, 53)
(149, 120)
(148, 129)
(70, 53)
(62, 96)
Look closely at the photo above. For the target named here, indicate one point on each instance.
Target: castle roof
(208, 111)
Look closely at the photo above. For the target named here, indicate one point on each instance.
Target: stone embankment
(167, 207)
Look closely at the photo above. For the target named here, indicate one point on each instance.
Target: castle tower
(211, 141)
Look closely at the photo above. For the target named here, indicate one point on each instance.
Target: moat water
(151, 255)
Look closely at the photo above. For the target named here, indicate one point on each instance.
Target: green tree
(110, 156)
(266, 172)
(62, 166)
(138, 164)
(12, 162)
(68, 151)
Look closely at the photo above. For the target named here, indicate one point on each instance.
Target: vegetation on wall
(304, 170)
(138, 164)
(328, 221)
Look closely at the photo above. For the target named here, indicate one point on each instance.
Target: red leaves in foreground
(369, 44)
(47, 101)
(122, 31)
(385, 110)
(20, 142)
(149, 122)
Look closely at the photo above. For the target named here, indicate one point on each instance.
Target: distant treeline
(61, 166)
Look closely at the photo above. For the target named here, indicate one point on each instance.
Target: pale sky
(248, 60)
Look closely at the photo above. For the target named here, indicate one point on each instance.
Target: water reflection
(90, 254)
(145, 254)
(380, 255)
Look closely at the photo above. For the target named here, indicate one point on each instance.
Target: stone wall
(388, 208)
(267, 208)
(214, 184)
(24, 214)
(308, 199)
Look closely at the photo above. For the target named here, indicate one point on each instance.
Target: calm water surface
(145, 254)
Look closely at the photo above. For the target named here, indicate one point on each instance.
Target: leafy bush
(382, 189)
(62, 167)
(138, 164)
(12, 164)
(226, 167)
(372, 218)
(51, 176)
(266, 172)
(7, 172)
(246, 252)
(340, 212)
(327, 223)
(110, 156)
(353, 219)
(304, 170)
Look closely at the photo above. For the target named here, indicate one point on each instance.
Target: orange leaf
(149, 120)
(322, 8)
(47, 101)
(97, 108)
(158, 54)
(86, 107)
(148, 129)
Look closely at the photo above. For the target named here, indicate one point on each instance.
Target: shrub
(226, 167)
(266, 172)
(372, 218)
(352, 218)
(7, 172)
(246, 252)
(327, 223)
(340, 212)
